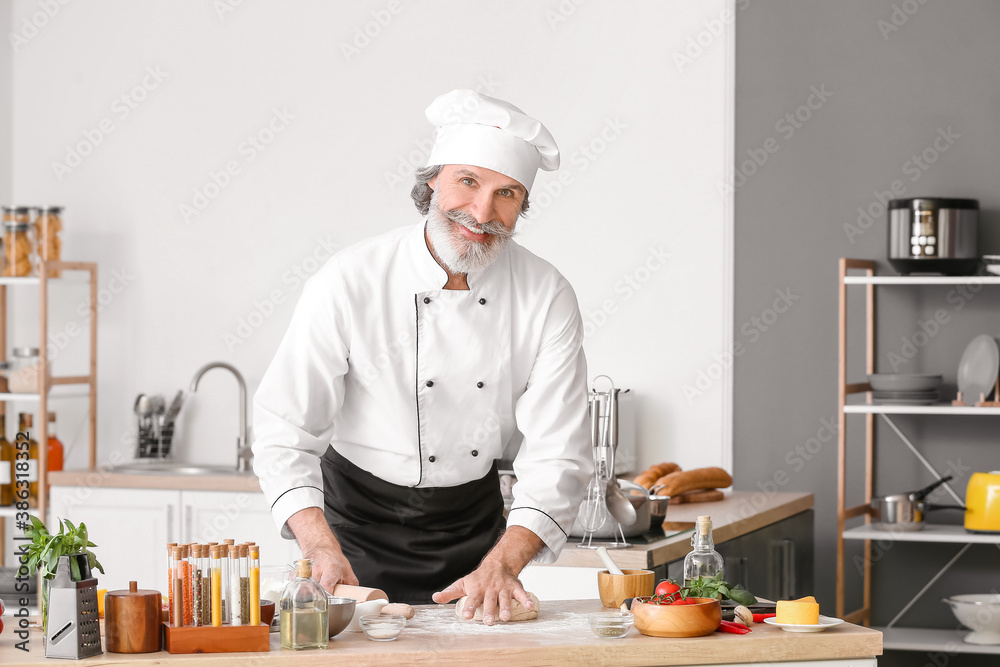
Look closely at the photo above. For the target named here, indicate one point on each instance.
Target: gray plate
(904, 401)
(903, 382)
(905, 394)
(977, 371)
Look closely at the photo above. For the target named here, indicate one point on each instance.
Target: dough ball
(517, 610)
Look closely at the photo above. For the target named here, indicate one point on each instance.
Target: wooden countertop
(122, 480)
(739, 513)
(560, 636)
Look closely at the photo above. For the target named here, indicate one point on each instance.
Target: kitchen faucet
(244, 455)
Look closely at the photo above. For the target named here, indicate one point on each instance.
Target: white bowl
(980, 612)
(992, 263)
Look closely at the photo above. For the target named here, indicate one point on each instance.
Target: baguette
(654, 472)
(680, 482)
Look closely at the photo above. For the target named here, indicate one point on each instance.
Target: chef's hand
(317, 542)
(494, 583)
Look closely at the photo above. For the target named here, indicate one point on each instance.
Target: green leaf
(742, 596)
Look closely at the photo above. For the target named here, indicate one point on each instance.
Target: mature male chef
(411, 359)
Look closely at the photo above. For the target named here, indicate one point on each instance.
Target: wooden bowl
(689, 620)
(614, 588)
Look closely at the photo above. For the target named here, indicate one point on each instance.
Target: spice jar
(18, 249)
(48, 227)
(11, 214)
(25, 367)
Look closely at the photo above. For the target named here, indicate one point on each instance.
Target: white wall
(6, 69)
(601, 76)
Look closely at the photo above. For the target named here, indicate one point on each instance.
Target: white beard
(457, 253)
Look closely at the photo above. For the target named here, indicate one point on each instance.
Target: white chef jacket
(423, 386)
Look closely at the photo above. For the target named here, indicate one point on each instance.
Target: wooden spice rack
(216, 639)
(85, 385)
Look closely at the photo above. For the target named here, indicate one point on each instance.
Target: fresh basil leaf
(742, 596)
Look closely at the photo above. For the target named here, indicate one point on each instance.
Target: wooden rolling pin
(363, 594)
(359, 593)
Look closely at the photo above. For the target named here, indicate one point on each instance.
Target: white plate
(977, 371)
(824, 623)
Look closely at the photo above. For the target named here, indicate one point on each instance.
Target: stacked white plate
(904, 388)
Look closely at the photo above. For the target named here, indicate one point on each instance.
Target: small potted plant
(45, 549)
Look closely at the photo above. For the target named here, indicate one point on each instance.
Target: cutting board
(703, 496)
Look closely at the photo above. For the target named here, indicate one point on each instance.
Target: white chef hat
(483, 131)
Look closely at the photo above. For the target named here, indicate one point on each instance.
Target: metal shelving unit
(898, 638)
(50, 387)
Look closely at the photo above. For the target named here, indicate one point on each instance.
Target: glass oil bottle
(303, 613)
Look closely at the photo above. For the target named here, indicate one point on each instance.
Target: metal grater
(74, 627)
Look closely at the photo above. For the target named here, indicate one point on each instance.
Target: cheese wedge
(804, 611)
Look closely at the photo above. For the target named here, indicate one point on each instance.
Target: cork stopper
(304, 568)
(244, 550)
(254, 551)
(228, 542)
(234, 551)
(704, 524)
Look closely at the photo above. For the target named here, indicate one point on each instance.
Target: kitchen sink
(155, 467)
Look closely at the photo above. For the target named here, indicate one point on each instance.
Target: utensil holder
(155, 437)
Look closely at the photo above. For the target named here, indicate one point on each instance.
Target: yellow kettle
(982, 502)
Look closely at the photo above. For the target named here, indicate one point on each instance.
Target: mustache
(492, 227)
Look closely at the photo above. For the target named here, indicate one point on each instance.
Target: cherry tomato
(681, 601)
(667, 587)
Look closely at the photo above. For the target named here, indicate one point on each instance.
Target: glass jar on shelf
(18, 248)
(48, 227)
(22, 378)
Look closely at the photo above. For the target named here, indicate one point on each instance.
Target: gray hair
(421, 192)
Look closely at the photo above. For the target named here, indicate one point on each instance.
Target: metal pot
(609, 529)
(905, 511)
(933, 235)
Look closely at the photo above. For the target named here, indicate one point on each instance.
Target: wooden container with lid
(132, 620)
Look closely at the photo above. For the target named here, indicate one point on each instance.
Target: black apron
(410, 542)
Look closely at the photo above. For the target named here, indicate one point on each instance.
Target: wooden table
(560, 636)
(739, 513)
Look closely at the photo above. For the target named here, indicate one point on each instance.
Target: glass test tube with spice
(216, 586)
(244, 584)
(254, 585)
(206, 585)
(197, 606)
(227, 605)
(235, 601)
(170, 579)
(188, 590)
(177, 587)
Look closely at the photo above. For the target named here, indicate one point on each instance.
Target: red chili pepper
(735, 628)
(759, 618)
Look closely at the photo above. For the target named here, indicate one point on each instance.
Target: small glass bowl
(382, 627)
(611, 624)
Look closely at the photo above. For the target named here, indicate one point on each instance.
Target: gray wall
(890, 94)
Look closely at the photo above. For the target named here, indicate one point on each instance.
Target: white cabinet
(132, 527)
(210, 516)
